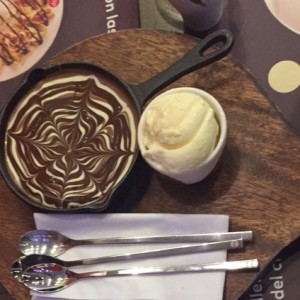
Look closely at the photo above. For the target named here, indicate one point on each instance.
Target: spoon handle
(218, 266)
(204, 247)
(177, 238)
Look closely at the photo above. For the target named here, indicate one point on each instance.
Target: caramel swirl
(71, 140)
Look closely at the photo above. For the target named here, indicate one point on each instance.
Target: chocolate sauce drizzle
(41, 12)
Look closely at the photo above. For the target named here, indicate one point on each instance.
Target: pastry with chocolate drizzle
(23, 25)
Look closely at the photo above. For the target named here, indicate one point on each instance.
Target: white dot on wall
(284, 76)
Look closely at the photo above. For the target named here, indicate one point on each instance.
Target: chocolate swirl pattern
(71, 140)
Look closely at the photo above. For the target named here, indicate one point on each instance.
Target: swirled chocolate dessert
(71, 139)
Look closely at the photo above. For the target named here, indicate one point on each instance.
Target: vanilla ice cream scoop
(179, 132)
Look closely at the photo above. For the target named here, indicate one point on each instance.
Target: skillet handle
(194, 59)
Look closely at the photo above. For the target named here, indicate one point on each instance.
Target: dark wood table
(257, 182)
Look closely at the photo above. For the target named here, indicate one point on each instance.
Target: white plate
(8, 72)
(287, 12)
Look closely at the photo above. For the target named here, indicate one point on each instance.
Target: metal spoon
(54, 277)
(24, 262)
(49, 242)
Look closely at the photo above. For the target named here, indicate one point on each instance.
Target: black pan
(69, 133)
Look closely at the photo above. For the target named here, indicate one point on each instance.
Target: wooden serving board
(256, 182)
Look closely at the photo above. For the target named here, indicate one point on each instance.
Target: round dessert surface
(71, 139)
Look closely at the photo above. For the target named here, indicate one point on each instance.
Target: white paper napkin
(159, 287)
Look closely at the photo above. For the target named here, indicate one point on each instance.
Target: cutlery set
(41, 271)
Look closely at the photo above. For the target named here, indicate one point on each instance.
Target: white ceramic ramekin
(202, 170)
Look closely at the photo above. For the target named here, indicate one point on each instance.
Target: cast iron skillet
(221, 42)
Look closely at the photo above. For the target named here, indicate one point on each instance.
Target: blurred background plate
(38, 51)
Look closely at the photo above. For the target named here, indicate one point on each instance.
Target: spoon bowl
(49, 278)
(22, 263)
(44, 242)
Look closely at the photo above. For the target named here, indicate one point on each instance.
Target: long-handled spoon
(21, 264)
(49, 242)
(53, 277)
